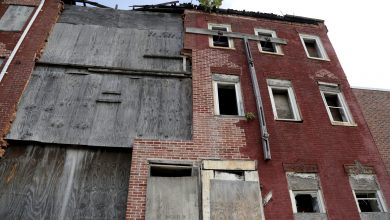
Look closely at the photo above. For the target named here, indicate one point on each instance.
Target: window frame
(320, 47)
(222, 79)
(228, 29)
(278, 48)
(284, 85)
(320, 200)
(334, 89)
(378, 197)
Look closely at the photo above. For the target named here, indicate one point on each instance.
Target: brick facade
(20, 69)
(375, 105)
(312, 145)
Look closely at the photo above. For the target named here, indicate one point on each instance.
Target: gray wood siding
(61, 182)
(68, 106)
(15, 18)
(234, 200)
(172, 198)
(120, 39)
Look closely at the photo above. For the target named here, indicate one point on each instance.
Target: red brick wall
(375, 105)
(18, 74)
(313, 141)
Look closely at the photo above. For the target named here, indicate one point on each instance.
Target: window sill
(317, 58)
(289, 120)
(241, 117)
(226, 48)
(272, 53)
(347, 124)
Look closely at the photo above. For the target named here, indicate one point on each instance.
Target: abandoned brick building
(171, 112)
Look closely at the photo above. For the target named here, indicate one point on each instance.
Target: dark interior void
(267, 46)
(312, 48)
(306, 203)
(368, 202)
(227, 99)
(170, 170)
(335, 107)
(282, 104)
(220, 41)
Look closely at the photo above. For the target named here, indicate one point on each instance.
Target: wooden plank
(52, 182)
(234, 200)
(235, 35)
(15, 18)
(172, 198)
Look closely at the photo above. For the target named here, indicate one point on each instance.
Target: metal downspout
(259, 103)
(21, 39)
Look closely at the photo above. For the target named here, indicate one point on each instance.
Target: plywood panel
(234, 200)
(72, 106)
(53, 182)
(172, 198)
(15, 17)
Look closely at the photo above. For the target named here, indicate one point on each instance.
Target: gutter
(21, 39)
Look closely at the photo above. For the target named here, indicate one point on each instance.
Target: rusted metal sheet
(63, 108)
(62, 182)
(234, 200)
(15, 17)
(172, 198)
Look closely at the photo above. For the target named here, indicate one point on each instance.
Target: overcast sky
(359, 31)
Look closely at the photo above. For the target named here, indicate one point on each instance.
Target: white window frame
(344, 106)
(379, 198)
(321, 50)
(230, 80)
(228, 28)
(278, 48)
(283, 85)
(319, 199)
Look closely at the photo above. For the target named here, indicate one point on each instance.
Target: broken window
(15, 17)
(283, 100)
(335, 104)
(368, 201)
(227, 95)
(220, 40)
(313, 47)
(267, 46)
(172, 191)
(306, 201)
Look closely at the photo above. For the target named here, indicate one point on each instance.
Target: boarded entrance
(172, 198)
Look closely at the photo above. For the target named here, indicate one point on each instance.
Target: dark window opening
(335, 107)
(312, 48)
(170, 170)
(368, 202)
(306, 202)
(267, 46)
(282, 104)
(227, 99)
(220, 41)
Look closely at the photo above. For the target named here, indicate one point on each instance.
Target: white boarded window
(227, 95)
(313, 47)
(335, 104)
(220, 40)
(283, 100)
(267, 46)
(15, 17)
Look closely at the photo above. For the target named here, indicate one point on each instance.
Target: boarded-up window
(15, 18)
(172, 193)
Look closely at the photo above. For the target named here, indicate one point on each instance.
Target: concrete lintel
(229, 164)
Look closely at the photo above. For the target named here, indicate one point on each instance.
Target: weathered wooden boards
(172, 198)
(70, 106)
(61, 182)
(120, 39)
(234, 200)
(15, 17)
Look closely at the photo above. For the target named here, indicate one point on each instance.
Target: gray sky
(352, 26)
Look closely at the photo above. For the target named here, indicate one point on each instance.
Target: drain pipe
(13, 53)
(259, 103)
